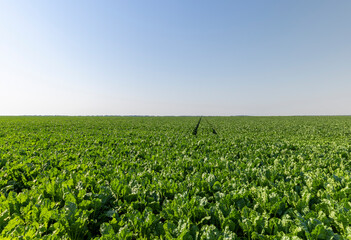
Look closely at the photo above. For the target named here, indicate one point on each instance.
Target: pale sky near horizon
(175, 57)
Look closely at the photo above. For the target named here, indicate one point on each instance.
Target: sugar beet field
(152, 178)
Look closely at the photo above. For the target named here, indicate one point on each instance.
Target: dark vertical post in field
(196, 127)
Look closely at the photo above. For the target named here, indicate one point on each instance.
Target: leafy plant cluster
(151, 178)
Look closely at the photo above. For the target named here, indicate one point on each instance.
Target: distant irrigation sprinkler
(198, 124)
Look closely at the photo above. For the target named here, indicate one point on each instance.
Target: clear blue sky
(175, 57)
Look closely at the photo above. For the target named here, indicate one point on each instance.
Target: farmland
(151, 178)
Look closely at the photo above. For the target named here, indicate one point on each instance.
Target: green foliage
(151, 178)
